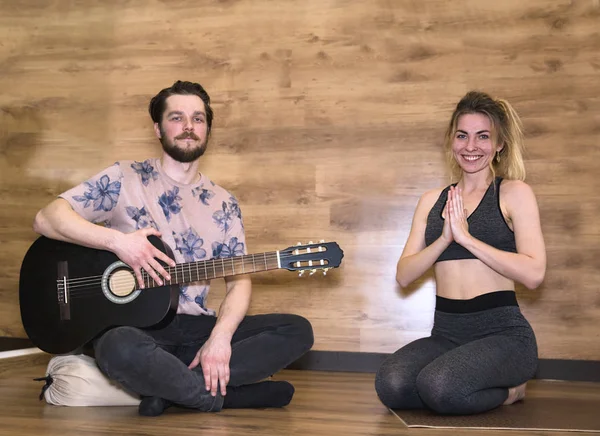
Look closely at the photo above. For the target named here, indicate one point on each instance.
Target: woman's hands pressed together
(456, 227)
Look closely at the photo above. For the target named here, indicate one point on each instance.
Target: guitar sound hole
(122, 282)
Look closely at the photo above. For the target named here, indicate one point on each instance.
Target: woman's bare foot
(515, 394)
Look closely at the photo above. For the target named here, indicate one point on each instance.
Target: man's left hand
(214, 358)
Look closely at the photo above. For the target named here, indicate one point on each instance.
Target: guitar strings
(180, 269)
(81, 286)
(218, 271)
(93, 288)
(183, 268)
(188, 266)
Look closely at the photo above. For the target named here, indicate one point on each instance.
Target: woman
(482, 234)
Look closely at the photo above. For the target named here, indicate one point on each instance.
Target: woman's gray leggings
(477, 349)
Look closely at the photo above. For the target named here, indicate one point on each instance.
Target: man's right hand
(136, 251)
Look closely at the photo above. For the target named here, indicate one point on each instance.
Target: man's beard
(183, 155)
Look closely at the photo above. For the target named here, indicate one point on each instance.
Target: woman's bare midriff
(468, 278)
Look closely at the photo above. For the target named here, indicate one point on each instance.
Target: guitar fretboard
(216, 268)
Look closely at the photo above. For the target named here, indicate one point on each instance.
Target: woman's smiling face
(473, 147)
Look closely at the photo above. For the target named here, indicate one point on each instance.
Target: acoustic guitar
(70, 294)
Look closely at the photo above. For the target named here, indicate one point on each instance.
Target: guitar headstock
(311, 257)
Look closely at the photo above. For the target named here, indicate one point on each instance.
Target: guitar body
(60, 322)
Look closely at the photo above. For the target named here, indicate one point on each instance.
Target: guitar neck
(184, 273)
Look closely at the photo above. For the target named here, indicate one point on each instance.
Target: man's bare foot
(515, 394)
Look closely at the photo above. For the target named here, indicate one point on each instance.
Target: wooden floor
(325, 403)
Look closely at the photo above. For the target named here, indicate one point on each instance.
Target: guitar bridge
(62, 289)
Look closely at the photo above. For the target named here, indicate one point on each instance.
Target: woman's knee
(439, 391)
(393, 387)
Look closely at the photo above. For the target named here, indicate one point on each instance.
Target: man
(198, 361)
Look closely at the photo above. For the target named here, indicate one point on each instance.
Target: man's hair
(158, 104)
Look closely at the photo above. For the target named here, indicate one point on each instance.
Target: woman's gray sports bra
(486, 223)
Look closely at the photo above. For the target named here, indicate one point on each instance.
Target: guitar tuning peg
(299, 243)
(322, 241)
(312, 271)
(325, 271)
(310, 242)
(301, 273)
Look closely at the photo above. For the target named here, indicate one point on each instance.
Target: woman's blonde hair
(507, 130)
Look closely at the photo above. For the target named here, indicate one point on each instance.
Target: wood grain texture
(329, 121)
(324, 403)
(36, 360)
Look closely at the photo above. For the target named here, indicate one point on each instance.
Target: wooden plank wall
(329, 121)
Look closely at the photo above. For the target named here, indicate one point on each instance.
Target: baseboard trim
(569, 370)
(344, 361)
(18, 353)
(348, 361)
(9, 344)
